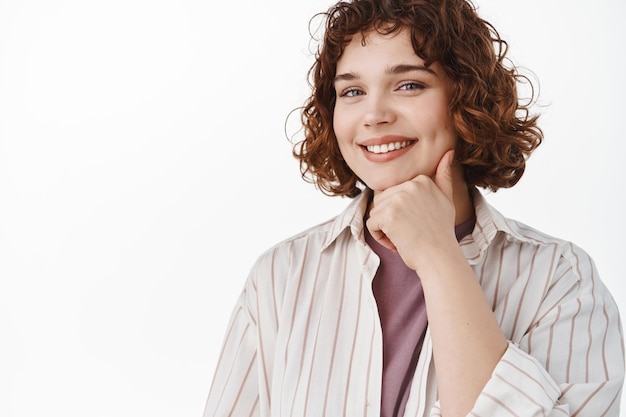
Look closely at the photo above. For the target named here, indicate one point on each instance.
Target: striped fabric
(305, 337)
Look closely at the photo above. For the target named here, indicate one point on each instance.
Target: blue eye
(411, 85)
(351, 92)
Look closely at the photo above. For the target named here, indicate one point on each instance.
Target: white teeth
(387, 147)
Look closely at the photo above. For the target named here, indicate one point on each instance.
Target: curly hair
(496, 131)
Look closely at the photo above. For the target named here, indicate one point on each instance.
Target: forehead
(376, 56)
(374, 52)
(396, 46)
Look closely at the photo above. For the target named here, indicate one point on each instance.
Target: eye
(351, 92)
(411, 85)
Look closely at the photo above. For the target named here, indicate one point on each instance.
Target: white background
(144, 166)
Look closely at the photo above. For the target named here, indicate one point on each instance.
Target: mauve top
(402, 310)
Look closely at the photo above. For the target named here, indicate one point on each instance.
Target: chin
(378, 186)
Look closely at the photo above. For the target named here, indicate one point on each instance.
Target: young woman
(419, 299)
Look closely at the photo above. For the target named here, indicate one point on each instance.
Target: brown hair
(496, 130)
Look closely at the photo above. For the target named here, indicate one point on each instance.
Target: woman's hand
(417, 218)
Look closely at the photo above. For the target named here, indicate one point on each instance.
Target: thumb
(443, 175)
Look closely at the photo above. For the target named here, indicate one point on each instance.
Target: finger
(379, 235)
(386, 242)
(443, 176)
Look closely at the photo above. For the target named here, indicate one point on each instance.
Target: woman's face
(391, 117)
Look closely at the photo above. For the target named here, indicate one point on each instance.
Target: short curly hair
(496, 131)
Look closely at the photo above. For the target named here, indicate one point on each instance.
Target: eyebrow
(396, 69)
(401, 69)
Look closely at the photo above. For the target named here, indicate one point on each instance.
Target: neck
(463, 205)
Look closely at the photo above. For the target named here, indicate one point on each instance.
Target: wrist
(440, 262)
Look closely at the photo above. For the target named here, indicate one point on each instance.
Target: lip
(388, 156)
(386, 140)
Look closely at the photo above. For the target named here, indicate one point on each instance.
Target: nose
(379, 111)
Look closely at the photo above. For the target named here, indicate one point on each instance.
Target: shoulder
(492, 227)
(532, 250)
(309, 244)
(305, 242)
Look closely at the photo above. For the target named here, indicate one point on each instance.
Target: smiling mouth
(388, 147)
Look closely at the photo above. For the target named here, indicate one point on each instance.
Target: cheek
(341, 127)
(445, 125)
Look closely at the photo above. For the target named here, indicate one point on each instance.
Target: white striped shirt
(305, 338)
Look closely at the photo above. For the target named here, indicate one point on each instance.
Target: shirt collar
(489, 222)
(351, 218)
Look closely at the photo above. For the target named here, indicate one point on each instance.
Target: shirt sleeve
(570, 361)
(235, 387)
